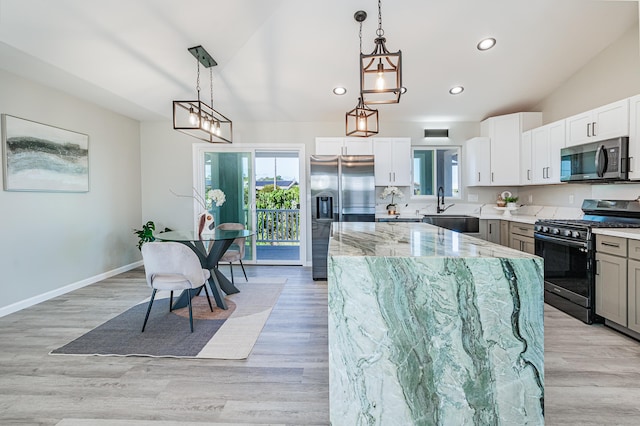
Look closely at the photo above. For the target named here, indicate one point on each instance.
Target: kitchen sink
(459, 223)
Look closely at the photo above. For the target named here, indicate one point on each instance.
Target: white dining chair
(235, 253)
(173, 266)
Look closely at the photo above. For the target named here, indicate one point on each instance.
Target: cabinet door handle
(390, 177)
(491, 176)
(394, 176)
(593, 128)
(588, 130)
(630, 162)
(597, 271)
(608, 244)
(478, 176)
(528, 174)
(490, 228)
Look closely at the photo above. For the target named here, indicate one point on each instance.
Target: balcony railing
(278, 226)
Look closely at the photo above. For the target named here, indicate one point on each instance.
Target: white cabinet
(505, 132)
(546, 143)
(392, 161)
(478, 159)
(605, 122)
(344, 146)
(526, 159)
(634, 137)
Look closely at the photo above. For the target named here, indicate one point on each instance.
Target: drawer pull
(604, 243)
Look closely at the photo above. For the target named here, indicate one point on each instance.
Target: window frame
(434, 148)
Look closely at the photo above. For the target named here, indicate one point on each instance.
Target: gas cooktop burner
(589, 223)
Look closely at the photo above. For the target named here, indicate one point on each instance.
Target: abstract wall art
(39, 157)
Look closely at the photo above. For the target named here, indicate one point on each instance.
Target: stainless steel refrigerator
(342, 190)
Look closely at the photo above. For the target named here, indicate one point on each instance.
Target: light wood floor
(592, 373)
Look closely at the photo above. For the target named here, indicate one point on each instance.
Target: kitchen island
(429, 326)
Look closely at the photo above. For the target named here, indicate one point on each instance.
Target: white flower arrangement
(217, 196)
(393, 191)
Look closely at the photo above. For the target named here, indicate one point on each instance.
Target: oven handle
(579, 244)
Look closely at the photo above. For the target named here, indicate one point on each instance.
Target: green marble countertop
(391, 239)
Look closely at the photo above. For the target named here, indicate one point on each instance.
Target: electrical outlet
(530, 198)
(570, 198)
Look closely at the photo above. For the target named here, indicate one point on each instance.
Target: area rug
(222, 334)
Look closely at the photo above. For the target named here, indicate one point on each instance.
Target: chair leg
(207, 293)
(171, 301)
(231, 269)
(153, 295)
(190, 314)
(243, 271)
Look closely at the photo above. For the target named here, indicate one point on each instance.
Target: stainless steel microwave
(605, 160)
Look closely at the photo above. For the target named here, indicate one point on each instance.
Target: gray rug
(228, 334)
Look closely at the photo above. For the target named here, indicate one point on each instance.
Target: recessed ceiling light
(456, 90)
(486, 44)
(339, 90)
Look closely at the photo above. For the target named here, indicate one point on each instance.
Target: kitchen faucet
(440, 207)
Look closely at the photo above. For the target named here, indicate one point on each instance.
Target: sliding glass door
(232, 173)
(263, 192)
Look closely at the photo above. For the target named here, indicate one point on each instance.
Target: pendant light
(361, 121)
(381, 71)
(195, 117)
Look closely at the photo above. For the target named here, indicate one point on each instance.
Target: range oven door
(568, 274)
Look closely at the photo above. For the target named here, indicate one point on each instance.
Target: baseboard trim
(15, 307)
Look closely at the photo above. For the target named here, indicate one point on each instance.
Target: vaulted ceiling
(280, 59)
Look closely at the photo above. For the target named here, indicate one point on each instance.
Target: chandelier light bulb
(193, 117)
(206, 125)
(362, 122)
(218, 131)
(380, 79)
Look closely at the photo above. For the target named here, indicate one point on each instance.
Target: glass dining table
(209, 247)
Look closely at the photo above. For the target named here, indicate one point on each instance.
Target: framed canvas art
(38, 157)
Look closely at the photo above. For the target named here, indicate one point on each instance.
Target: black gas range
(568, 250)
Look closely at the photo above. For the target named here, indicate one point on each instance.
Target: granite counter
(429, 326)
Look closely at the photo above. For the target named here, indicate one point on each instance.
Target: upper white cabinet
(526, 159)
(344, 146)
(634, 137)
(504, 133)
(605, 122)
(546, 143)
(392, 161)
(478, 160)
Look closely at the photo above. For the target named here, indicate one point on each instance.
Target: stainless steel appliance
(342, 190)
(568, 250)
(595, 162)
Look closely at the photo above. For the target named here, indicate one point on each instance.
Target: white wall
(51, 242)
(612, 75)
(167, 158)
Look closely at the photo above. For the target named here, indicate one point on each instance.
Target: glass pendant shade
(362, 121)
(381, 75)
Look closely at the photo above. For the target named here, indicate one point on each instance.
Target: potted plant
(145, 234)
(511, 201)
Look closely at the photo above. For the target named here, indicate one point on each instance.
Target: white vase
(206, 224)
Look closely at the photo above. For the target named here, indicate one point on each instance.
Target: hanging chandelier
(195, 117)
(361, 121)
(381, 71)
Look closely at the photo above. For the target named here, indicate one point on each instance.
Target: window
(435, 167)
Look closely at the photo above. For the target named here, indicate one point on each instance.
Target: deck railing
(278, 226)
